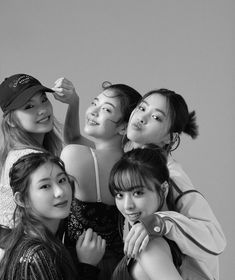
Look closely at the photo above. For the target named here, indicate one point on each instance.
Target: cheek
(119, 205)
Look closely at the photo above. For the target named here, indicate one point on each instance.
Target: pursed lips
(137, 125)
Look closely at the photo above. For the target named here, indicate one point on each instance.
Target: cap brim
(24, 96)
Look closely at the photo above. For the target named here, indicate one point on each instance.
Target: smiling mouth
(91, 122)
(44, 120)
(133, 217)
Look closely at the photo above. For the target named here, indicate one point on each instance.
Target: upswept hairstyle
(15, 137)
(137, 167)
(129, 98)
(25, 220)
(182, 121)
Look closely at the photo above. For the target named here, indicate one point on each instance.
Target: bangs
(129, 178)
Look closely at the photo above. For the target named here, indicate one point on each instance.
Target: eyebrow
(156, 109)
(111, 104)
(49, 178)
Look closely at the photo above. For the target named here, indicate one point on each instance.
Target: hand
(90, 247)
(136, 240)
(65, 91)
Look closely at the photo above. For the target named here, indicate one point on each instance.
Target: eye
(63, 179)
(46, 186)
(106, 109)
(138, 193)
(141, 108)
(28, 106)
(157, 118)
(118, 195)
(93, 103)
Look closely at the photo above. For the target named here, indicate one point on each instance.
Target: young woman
(43, 193)
(93, 205)
(160, 118)
(139, 181)
(28, 125)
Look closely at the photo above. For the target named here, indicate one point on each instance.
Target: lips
(44, 119)
(133, 216)
(137, 126)
(61, 204)
(91, 122)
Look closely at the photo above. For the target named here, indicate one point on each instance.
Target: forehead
(157, 100)
(109, 96)
(45, 171)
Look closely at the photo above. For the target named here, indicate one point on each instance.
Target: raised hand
(65, 91)
(90, 247)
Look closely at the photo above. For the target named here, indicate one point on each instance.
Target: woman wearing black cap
(28, 125)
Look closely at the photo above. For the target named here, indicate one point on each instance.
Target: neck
(38, 137)
(108, 144)
(52, 225)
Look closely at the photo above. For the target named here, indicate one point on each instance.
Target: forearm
(195, 230)
(72, 124)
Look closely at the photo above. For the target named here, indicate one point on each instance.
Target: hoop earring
(174, 143)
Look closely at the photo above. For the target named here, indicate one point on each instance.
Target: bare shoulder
(156, 261)
(76, 158)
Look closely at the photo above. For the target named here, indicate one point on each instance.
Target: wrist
(154, 225)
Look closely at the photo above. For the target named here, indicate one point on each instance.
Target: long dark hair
(182, 121)
(26, 221)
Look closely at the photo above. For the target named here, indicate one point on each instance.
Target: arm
(195, 229)
(66, 93)
(156, 261)
(39, 266)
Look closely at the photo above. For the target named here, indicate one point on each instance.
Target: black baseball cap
(17, 89)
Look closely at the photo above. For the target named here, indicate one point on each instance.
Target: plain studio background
(187, 46)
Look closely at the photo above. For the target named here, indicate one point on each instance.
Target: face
(103, 115)
(150, 122)
(36, 116)
(50, 193)
(137, 203)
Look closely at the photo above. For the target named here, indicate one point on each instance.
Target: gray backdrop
(184, 45)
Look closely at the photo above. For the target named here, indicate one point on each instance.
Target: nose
(128, 202)
(142, 119)
(42, 110)
(95, 111)
(58, 191)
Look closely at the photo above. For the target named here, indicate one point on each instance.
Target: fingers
(144, 243)
(136, 240)
(128, 238)
(63, 82)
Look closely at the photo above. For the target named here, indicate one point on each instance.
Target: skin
(36, 116)
(150, 122)
(155, 262)
(102, 117)
(101, 124)
(138, 203)
(50, 194)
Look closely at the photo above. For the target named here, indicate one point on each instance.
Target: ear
(10, 122)
(18, 200)
(165, 188)
(122, 129)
